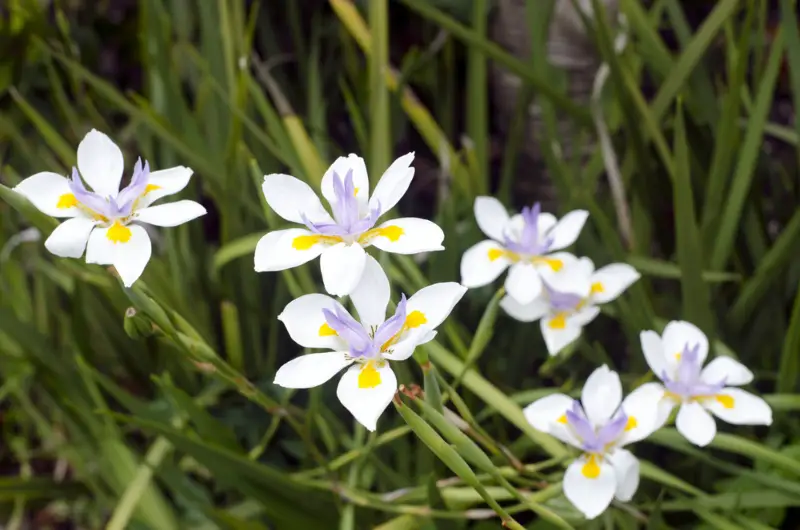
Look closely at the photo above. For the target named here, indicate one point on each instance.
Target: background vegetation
(154, 408)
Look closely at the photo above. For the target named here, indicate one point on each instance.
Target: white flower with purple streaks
(340, 239)
(570, 298)
(319, 321)
(525, 242)
(677, 358)
(600, 427)
(105, 221)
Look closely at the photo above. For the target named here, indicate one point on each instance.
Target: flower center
(596, 440)
(687, 385)
(350, 223)
(118, 209)
(530, 244)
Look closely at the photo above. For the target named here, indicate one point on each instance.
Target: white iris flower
(570, 298)
(526, 244)
(677, 358)
(106, 221)
(600, 424)
(340, 239)
(366, 347)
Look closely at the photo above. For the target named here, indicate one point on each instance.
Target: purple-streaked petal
(349, 330)
(88, 199)
(393, 325)
(613, 429)
(577, 420)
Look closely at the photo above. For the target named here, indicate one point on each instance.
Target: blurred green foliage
(164, 416)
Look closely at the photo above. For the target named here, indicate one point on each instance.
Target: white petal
(284, 249)
(404, 348)
(292, 198)
(165, 182)
(100, 163)
(584, 315)
(626, 470)
(567, 230)
(610, 281)
(557, 337)
(653, 350)
(523, 283)
(306, 323)
(365, 402)
(172, 214)
(393, 184)
(726, 369)
(574, 276)
(527, 312)
(696, 424)
(371, 295)
(45, 190)
(548, 414)
(100, 249)
(482, 263)
(131, 257)
(342, 266)
(647, 412)
(738, 407)
(601, 395)
(69, 239)
(435, 302)
(679, 334)
(311, 370)
(582, 267)
(341, 166)
(492, 217)
(406, 235)
(589, 491)
(545, 223)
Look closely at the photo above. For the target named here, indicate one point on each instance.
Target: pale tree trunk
(570, 50)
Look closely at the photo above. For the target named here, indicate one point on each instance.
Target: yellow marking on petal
(415, 319)
(495, 253)
(355, 191)
(118, 233)
(67, 200)
(307, 241)
(553, 263)
(391, 232)
(369, 376)
(562, 419)
(326, 331)
(559, 321)
(151, 187)
(678, 356)
(725, 400)
(632, 423)
(591, 469)
(597, 287)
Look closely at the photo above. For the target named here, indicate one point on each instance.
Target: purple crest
(348, 220)
(595, 440)
(529, 243)
(688, 382)
(359, 341)
(117, 207)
